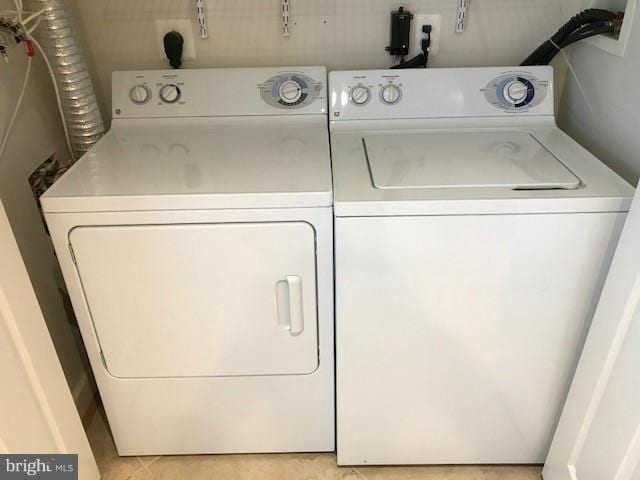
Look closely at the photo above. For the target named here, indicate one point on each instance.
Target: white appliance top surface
(457, 141)
(201, 163)
(457, 160)
(460, 171)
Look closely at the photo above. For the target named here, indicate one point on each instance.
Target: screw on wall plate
(201, 15)
(461, 15)
(286, 13)
(4, 45)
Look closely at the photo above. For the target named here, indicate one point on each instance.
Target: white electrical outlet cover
(184, 26)
(616, 46)
(420, 19)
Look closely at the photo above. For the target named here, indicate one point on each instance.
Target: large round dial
(140, 94)
(390, 94)
(360, 95)
(515, 92)
(170, 93)
(290, 92)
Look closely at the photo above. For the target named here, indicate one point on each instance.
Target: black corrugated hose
(590, 22)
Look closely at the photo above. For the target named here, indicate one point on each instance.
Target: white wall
(37, 135)
(605, 114)
(340, 34)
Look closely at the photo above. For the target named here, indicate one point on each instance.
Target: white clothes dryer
(196, 241)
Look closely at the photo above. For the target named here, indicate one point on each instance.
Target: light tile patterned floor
(272, 467)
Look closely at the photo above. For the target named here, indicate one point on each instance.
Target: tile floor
(272, 467)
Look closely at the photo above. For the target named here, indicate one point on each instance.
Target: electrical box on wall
(614, 44)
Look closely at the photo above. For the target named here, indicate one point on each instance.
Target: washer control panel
(441, 93)
(291, 90)
(516, 91)
(218, 92)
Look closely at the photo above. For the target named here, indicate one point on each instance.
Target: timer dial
(360, 95)
(515, 92)
(170, 93)
(290, 92)
(390, 94)
(140, 94)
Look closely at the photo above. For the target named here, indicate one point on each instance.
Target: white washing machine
(472, 240)
(196, 241)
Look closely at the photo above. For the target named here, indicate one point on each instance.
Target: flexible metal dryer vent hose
(58, 38)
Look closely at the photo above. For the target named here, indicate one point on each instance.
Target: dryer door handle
(290, 304)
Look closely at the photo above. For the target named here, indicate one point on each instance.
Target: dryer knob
(360, 95)
(140, 94)
(290, 92)
(170, 93)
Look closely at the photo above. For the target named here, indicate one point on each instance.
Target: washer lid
(514, 160)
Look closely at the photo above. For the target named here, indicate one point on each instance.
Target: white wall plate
(610, 44)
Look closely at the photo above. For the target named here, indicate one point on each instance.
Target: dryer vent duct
(58, 38)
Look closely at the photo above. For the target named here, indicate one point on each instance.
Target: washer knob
(360, 95)
(170, 93)
(390, 94)
(515, 92)
(290, 92)
(139, 94)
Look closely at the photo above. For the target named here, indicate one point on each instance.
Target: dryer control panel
(291, 90)
(219, 92)
(440, 93)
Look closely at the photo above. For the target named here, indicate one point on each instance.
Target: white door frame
(38, 411)
(605, 387)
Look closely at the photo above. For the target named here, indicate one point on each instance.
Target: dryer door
(201, 299)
